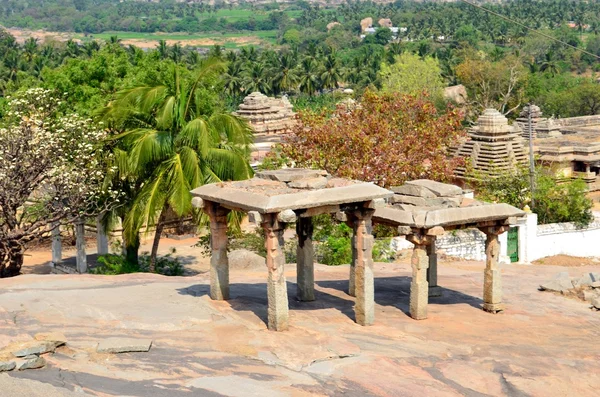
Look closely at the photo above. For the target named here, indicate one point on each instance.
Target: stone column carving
(432, 271)
(351, 222)
(364, 308)
(305, 260)
(101, 237)
(419, 287)
(81, 257)
(219, 262)
(492, 280)
(56, 245)
(278, 310)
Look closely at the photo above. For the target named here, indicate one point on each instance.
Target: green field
(245, 14)
(228, 40)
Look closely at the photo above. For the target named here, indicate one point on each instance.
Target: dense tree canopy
(386, 139)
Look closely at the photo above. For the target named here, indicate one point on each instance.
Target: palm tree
(309, 78)
(174, 143)
(255, 78)
(233, 79)
(163, 49)
(550, 64)
(331, 75)
(176, 52)
(285, 77)
(30, 48)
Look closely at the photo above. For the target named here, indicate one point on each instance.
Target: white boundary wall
(539, 241)
(535, 241)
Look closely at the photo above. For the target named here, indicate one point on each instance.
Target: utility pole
(531, 160)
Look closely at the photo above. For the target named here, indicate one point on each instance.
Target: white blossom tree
(52, 172)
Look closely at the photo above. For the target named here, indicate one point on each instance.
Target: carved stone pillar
(432, 271)
(419, 287)
(305, 260)
(278, 310)
(219, 262)
(81, 257)
(363, 267)
(56, 245)
(351, 222)
(492, 280)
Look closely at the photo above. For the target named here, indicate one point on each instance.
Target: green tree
(411, 75)
(175, 138)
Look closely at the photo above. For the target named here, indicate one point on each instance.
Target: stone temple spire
(494, 146)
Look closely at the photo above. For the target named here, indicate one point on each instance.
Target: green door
(513, 244)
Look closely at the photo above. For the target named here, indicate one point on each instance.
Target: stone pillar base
(435, 291)
(493, 307)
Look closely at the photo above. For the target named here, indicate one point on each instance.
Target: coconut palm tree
(331, 75)
(309, 78)
(174, 141)
(285, 77)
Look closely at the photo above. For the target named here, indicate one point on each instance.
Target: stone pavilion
(424, 210)
(277, 198)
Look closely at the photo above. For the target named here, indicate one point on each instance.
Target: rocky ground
(544, 344)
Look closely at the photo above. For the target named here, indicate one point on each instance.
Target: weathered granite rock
(289, 174)
(57, 338)
(589, 295)
(587, 280)
(32, 362)
(402, 199)
(595, 284)
(438, 188)
(310, 183)
(124, 345)
(7, 365)
(33, 347)
(560, 283)
(413, 190)
(596, 302)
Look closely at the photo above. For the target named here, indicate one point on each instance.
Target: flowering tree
(51, 172)
(387, 139)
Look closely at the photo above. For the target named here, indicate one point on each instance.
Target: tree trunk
(11, 259)
(132, 250)
(157, 234)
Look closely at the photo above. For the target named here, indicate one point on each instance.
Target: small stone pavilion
(277, 198)
(494, 146)
(267, 115)
(424, 210)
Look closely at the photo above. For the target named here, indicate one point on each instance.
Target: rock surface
(560, 283)
(31, 362)
(33, 347)
(7, 365)
(13, 387)
(540, 346)
(124, 345)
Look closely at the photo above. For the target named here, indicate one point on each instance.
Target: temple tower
(494, 146)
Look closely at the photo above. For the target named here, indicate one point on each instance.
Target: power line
(528, 28)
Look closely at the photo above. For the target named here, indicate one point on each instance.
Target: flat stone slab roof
(295, 189)
(426, 219)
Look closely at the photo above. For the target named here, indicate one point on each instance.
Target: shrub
(112, 264)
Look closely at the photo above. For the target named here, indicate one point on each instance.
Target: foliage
(499, 85)
(555, 201)
(112, 264)
(52, 171)
(387, 140)
(412, 75)
(173, 138)
(566, 202)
